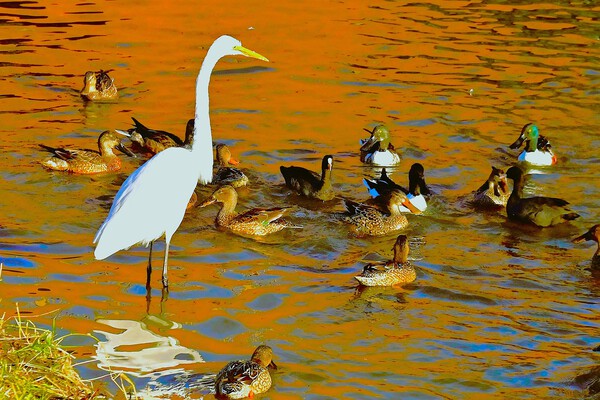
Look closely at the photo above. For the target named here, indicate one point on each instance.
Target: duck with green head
(538, 150)
(539, 210)
(397, 271)
(377, 149)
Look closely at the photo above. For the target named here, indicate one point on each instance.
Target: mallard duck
(592, 234)
(417, 188)
(155, 141)
(98, 86)
(494, 192)
(246, 378)
(82, 161)
(541, 211)
(256, 221)
(538, 150)
(398, 270)
(226, 174)
(309, 183)
(367, 220)
(377, 149)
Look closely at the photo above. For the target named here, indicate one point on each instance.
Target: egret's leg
(149, 268)
(165, 280)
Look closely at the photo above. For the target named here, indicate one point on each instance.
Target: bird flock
(165, 185)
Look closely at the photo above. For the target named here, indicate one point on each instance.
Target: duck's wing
(263, 216)
(224, 175)
(239, 371)
(163, 137)
(546, 211)
(298, 178)
(62, 153)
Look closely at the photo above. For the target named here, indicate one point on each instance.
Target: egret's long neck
(202, 146)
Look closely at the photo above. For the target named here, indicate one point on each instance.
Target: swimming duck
(89, 161)
(309, 183)
(494, 192)
(377, 149)
(256, 221)
(226, 174)
(98, 86)
(398, 270)
(417, 188)
(367, 220)
(541, 211)
(538, 150)
(245, 378)
(592, 234)
(155, 141)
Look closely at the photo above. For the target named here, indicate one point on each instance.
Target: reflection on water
(498, 310)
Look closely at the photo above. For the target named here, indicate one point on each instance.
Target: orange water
(497, 310)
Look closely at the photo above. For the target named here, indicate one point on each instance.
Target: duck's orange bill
(233, 161)
(406, 203)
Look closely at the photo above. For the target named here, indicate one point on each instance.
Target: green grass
(34, 365)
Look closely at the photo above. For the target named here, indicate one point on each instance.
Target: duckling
(417, 187)
(155, 141)
(377, 149)
(592, 234)
(226, 174)
(98, 86)
(256, 221)
(89, 161)
(494, 192)
(308, 183)
(366, 220)
(540, 211)
(246, 378)
(538, 150)
(398, 270)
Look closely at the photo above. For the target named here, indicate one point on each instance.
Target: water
(498, 310)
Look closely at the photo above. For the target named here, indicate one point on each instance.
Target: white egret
(153, 199)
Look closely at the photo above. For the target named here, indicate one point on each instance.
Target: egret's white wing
(150, 202)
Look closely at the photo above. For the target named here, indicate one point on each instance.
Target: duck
(246, 378)
(154, 141)
(308, 183)
(396, 271)
(227, 174)
(368, 220)
(83, 161)
(98, 86)
(540, 211)
(417, 188)
(494, 192)
(377, 149)
(256, 221)
(592, 234)
(538, 150)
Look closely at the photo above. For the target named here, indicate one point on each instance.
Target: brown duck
(227, 174)
(98, 86)
(83, 161)
(308, 183)
(494, 192)
(540, 211)
(592, 234)
(154, 141)
(256, 221)
(397, 271)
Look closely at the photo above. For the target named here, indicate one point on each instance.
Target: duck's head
(401, 249)
(416, 179)
(499, 178)
(89, 82)
(529, 132)
(263, 355)
(224, 157)
(592, 234)
(380, 137)
(327, 163)
(515, 173)
(109, 140)
(396, 199)
(225, 194)
(189, 132)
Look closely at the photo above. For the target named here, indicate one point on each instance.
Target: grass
(34, 365)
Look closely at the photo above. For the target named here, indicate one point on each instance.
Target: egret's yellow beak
(250, 53)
